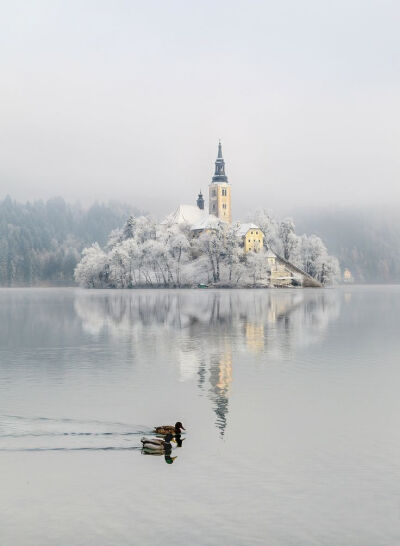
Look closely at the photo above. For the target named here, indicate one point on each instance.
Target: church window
(214, 193)
(214, 206)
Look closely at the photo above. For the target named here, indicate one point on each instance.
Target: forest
(365, 239)
(41, 241)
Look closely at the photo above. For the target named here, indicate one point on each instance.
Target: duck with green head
(158, 445)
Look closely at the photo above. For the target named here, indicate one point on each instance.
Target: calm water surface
(290, 399)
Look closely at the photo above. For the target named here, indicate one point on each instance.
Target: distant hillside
(365, 241)
(41, 242)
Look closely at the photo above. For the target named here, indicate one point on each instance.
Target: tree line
(144, 253)
(41, 241)
(366, 240)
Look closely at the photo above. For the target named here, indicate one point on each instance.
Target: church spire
(219, 150)
(219, 174)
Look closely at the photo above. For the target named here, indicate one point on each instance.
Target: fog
(127, 100)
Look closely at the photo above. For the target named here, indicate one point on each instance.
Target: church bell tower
(220, 191)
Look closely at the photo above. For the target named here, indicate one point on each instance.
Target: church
(219, 210)
(281, 272)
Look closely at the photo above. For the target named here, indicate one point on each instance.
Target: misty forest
(41, 243)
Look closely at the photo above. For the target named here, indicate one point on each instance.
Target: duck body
(157, 445)
(170, 429)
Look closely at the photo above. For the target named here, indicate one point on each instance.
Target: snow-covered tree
(270, 227)
(129, 229)
(316, 260)
(178, 248)
(212, 244)
(233, 254)
(92, 270)
(288, 238)
(257, 267)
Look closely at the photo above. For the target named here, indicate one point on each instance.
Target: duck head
(179, 427)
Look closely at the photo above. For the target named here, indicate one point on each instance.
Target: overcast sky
(127, 100)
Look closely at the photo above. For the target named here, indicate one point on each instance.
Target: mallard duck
(157, 444)
(169, 429)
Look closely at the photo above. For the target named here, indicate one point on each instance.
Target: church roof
(185, 214)
(208, 222)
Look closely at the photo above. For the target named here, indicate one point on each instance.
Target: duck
(158, 445)
(170, 429)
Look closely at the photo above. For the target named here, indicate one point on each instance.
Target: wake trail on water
(38, 433)
(70, 420)
(103, 448)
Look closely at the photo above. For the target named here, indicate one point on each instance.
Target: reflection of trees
(203, 330)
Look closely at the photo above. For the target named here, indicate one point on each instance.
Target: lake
(290, 399)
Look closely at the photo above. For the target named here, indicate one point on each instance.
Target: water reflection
(206, 332)
(167, 456)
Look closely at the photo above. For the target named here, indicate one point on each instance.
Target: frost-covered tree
(92, 271)
(129, 229)
(331, 270)
(233, 254)
(316, 260)
(178, 249)
(257, 267)
(288, 238)
(270, 227)
(212, 244)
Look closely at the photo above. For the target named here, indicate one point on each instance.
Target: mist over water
(127, 100)
(289, 398)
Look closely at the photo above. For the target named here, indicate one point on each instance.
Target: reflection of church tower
(254, 336)
(220, 380)
(220, 191)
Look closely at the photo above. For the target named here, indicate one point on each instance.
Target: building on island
(252, 237)
(281, 272)
(219, 209)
